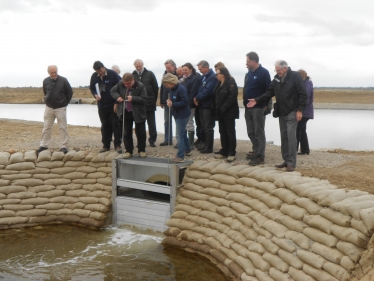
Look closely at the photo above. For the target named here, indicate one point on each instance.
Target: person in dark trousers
(178, 100)
(57, 95)
(131, 97)
(290, 95)
(170, 67)
(148, 79)
(106, 79)
(191, 81)
(308, 113)
(257, 81)
(226, 110)
(204, 99)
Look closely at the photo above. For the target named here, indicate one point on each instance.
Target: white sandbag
(31, 213)
(57, 156)
(45, 155)
(304, 189)
(278, 275)
(347, 263)
(272, 202)
(220, 168)
(350, 235)
(193, 195)
(240, 208)
(245, 172)
(214, 192)
(97, 165)
(78, 205)
(51, 193)
(22, 195)
(234, 170)
(285, 195)
(88, 169)
(197, 219)
(12, 189)
(97, 175)
(189, 209)
(262, 276)
(106, 170)
(238, 197)
(337, 271)
(291, 223)
(321, 237)
(64, 200)
(219, 201)
(233, 223)
(175, 215)
(255, 247)
(355, 208)
(208, 167)
(258, 218)
(97, 207)
(276, 262)
(261, 231)
(367, 217)
(340, 196)
(7, 213)
(259, 262)
(246, 264)
(284, 244)
(34, 201)
(268, 245)
(319, 275)
(59, 212)
(268, 187)
(360, 226)
(318, 222)
(21, 166)
(27, 182)
(225, 211)
(16, 158)
(57, 182)
(198, 174)
(76, 175)
(290, 259)
(299, 239)
(275, 228)
(257, 205)
(328, 253)
(213, 216)
(299, 275)
(293, 211)
(236, 236)
(50, 164)
(273, 214)
(257, 174)
(71, 186)
(249, 233)
(311, 258)
(13, 220)
(183, 200)
(97, 216)
(46, 176)
(245, 219)
(193, 187)
(225, 179)
(75, 164)
(4, 158)
(63, 171)
(215, 226)
(237, 188)
(336, 217)
(9, 201)
(248, 182)
(96, 193)
(309, 205)
(253, 192)
(50, 206)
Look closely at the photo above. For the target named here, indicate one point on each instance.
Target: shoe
(280, 166)
(40, 149)
(290, 169)
(152, 145)
(220, 156)
(230, 159)
(200, 146)
(166, 143)
(177, 160)
(256, 161)
(217, 152)
(250, 155)
(104, 149)
(303, 153)
(197, 142)
(119, 149)
(142, 154)
(64, 150)
(209, 142)
(127, 155)
(176, 146)
(188, 153)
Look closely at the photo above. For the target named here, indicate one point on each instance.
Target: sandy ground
(346, 169)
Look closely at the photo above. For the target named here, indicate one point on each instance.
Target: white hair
(137, 61)
(52, 65)
(281, 63)
(116, 69)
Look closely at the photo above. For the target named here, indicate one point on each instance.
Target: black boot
(208, 143)
(191, 138)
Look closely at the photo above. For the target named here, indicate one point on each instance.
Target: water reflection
(330, 129)
(74, 253)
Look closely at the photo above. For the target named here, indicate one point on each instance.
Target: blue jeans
(168, 124)
(183, 143)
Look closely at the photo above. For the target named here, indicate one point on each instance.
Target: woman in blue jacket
(178, 101)
(308, 113)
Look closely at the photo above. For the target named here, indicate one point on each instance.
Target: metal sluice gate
(144, 191)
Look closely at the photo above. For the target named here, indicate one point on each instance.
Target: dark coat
(179, 97)
(57, 93)
(309, 110)
(192, 84)
(290, 94)
(139, 98)
(150, 82)
(108, 81)
(205, 92)
(225, 101)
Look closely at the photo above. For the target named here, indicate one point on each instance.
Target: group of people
(192, 98)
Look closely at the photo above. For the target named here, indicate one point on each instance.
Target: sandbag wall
(263, 224)
(55, 188)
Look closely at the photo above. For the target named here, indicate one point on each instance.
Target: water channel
(74, 253)
(330, 129)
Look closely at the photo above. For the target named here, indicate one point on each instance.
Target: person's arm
(183, 98)
(68, 91)
(232, 96)
(44, 90)
(115, 93)
(154, 85)
(264, 97)
(207, 91)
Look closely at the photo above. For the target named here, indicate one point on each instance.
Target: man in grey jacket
(131, 97)
(57, 95)
(290, 95)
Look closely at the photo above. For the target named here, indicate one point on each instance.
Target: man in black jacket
(131, 97)
(290, 95)
(149, 80)
(105, 80)
(57, 95)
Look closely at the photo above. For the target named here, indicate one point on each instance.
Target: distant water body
(346, 129)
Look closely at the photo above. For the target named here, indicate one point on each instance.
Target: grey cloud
(349, 31)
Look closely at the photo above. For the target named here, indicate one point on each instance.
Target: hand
(251, 103)
(169, 103)
(162, 105)
(299, 115)
(115, 107)
(196, 103)
(97, 97)
(120, 99)
(129, 98)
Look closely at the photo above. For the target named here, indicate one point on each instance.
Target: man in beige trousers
(57, 95)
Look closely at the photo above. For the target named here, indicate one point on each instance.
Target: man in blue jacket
(106, 79)
(256, 83)
(204, 99)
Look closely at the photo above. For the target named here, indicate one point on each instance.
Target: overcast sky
(332, 40)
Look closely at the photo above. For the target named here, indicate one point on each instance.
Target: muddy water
(73, 253)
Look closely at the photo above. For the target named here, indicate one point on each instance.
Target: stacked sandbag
(54, 188)
(265, 224)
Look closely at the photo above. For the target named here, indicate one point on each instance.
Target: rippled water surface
(74, 253)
